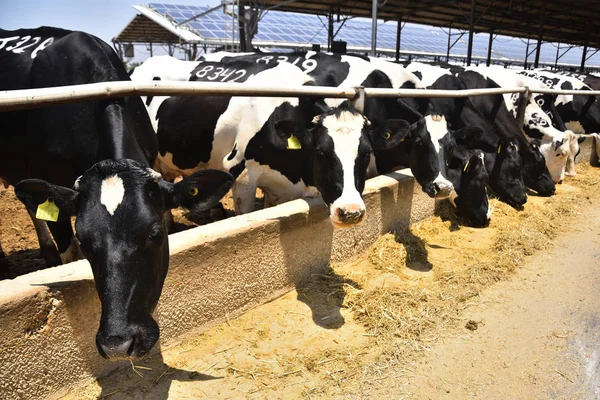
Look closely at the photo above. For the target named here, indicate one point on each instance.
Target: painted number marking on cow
(211, 73)
(306, 65)
(22, 44)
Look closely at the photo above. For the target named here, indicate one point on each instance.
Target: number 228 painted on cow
(24, 43)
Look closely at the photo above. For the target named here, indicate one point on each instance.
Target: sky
(102, 18)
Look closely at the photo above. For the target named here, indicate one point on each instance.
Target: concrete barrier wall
(49, 318)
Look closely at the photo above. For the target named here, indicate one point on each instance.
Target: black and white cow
(119, 205)
(416, 150)
(555, 144)
(579, 113)
(422, 152)
(277, 143)
(505, 176)
(119, 208)
(466, 169)
(501, 123)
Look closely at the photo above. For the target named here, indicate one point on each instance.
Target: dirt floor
(443, 311)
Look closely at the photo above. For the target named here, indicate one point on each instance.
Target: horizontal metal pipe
(32, 98)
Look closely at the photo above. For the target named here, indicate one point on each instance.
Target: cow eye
(155, 234)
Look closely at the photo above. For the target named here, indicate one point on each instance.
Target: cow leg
(47, 248)
(67, 243)
(244, 193)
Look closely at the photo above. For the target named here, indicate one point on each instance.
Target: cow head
(554, 144)
(340, 152)
(396, 139)
(119, 208)
(472, 202)
(506, 178)
(535, 172)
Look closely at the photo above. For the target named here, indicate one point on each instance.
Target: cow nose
(442, 189)
(116, 347)
(350, 215)
(560, 181)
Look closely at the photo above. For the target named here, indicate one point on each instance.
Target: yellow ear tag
(293, 143)
(499, 147)
(47, 211)
(466, 166)
(387, 135)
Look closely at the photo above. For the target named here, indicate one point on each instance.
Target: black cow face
(535, 172)
(506, 178)
(119, 208)
(472, 202)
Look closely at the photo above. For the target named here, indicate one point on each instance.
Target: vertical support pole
(583, 57)
(398, 38)
(526, 55)
(537, 52)
(374, 28)
(540, 37)
(330, 31)
(448, 49)
(471, 27)
(556, 60)
(489, 55)
(151, 49)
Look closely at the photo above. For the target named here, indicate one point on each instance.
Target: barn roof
(167, 23)
(568, 21)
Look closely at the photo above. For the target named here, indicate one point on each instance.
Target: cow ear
(48, 201)
(286, 136)
(200, 191)
(393, 132)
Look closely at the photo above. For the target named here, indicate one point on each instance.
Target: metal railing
(34, 98)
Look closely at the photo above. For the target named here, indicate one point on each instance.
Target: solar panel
(280, 27)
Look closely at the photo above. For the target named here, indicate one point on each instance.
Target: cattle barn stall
(47, 338)
(555, 33)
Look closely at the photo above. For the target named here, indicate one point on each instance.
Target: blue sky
(104, 18)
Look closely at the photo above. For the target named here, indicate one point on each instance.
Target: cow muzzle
(135, 341)
(348, 215)
(439, 189)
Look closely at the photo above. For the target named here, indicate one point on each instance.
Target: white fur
(112, 193)
(438, 128)
(429, 73)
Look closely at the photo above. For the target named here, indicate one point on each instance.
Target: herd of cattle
(111, 163)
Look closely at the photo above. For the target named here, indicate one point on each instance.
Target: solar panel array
(285, 27)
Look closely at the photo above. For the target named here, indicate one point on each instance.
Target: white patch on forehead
(345, 123)
(111, 193)
(438, 128)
